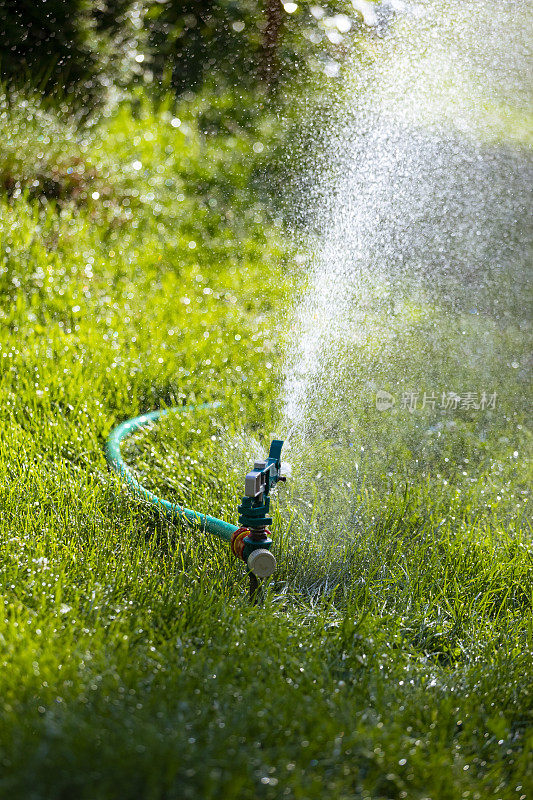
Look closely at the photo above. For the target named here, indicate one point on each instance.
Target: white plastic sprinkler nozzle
(262, 563)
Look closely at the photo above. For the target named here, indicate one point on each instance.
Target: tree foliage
(79, 48)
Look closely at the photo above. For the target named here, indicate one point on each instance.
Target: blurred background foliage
(85, 51)
(240, 67)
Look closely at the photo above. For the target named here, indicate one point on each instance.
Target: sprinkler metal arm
(255, 505)
(265, 474)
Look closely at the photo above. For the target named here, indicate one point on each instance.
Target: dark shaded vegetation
(78, 49)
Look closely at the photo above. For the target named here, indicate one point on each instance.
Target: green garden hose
(171, 511)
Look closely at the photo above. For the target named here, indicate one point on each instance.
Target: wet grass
(390, 661)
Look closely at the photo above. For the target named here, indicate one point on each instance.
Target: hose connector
(253, 547)
(254, 550)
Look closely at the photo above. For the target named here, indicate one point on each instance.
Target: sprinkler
(250, 542)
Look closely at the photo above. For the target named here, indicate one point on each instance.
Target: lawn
(142, 267)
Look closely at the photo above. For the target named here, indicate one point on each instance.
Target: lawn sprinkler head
(252, 541)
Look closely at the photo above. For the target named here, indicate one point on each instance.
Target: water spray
(251, 542)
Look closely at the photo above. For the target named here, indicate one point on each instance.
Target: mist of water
(418, 264)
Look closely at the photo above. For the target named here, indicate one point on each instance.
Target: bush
(242, 42)
(79, 49)
(74, 49)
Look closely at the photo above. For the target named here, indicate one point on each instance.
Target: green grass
(392, 660)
